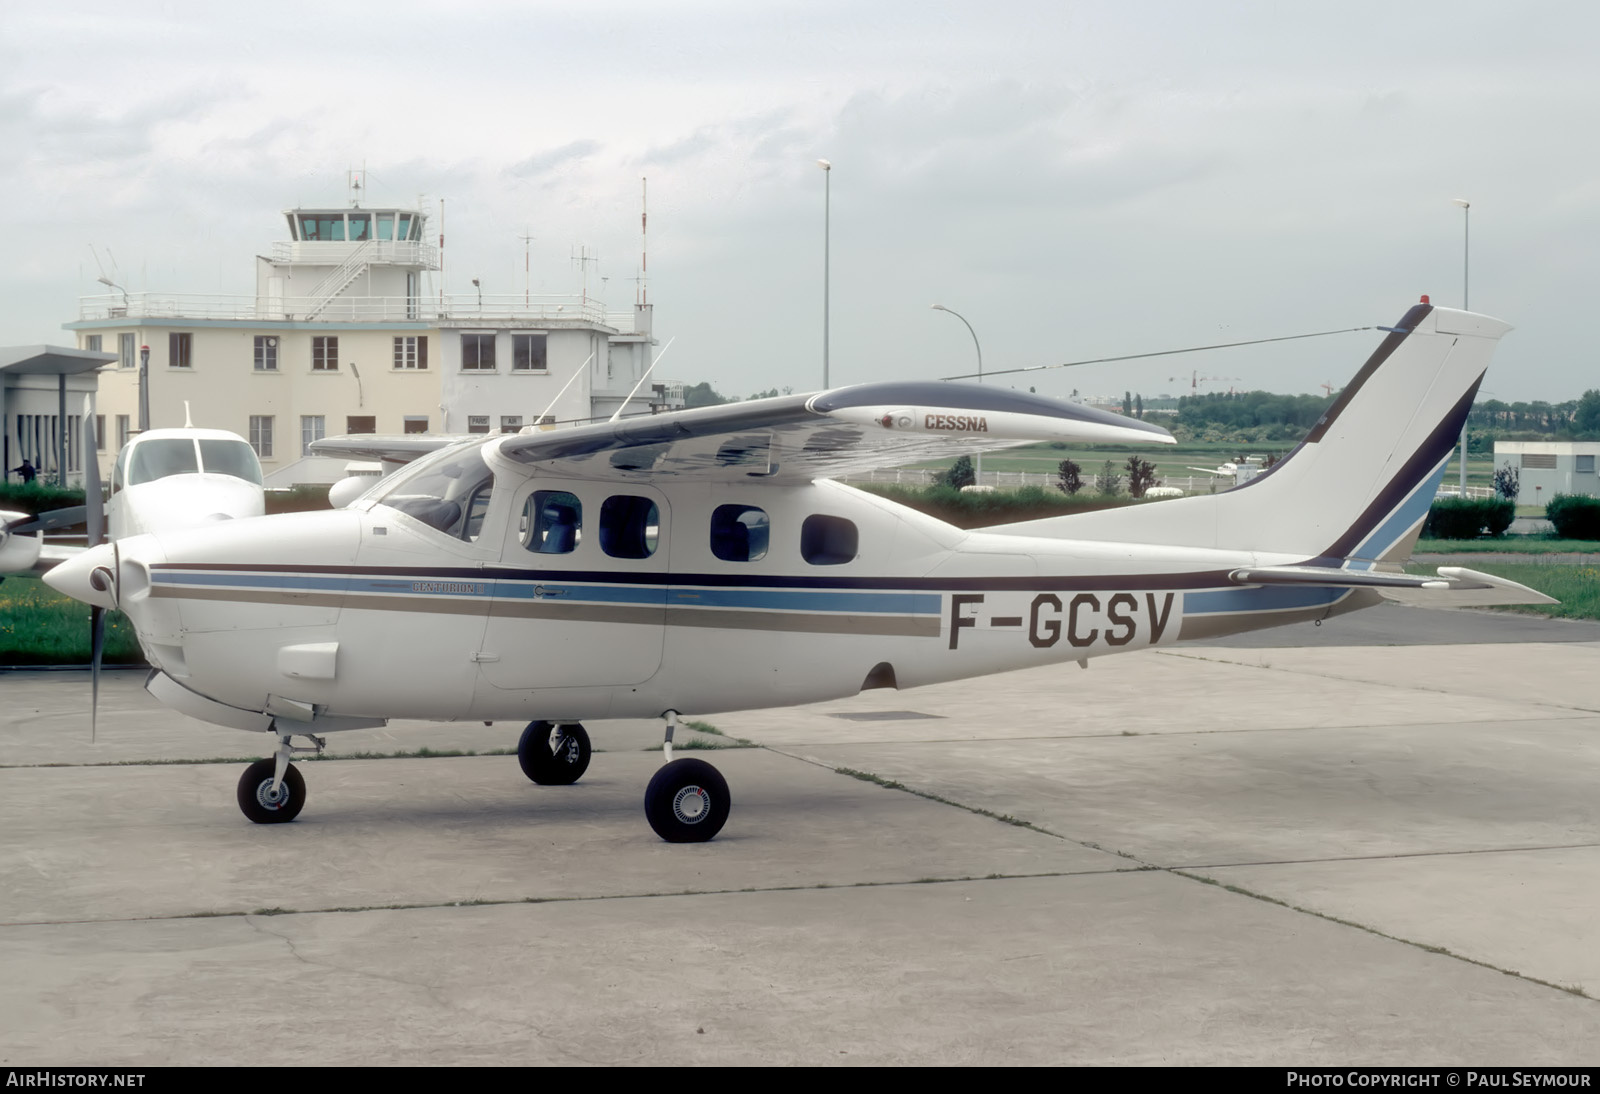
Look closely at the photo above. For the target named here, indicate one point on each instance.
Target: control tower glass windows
(360, 226)
(385, 226)
(325, 353)
(477, 353)
(528, 353)
(322, 227)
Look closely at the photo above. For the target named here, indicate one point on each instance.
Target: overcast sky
(1076, 179)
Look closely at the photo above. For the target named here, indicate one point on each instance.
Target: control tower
(346, 264)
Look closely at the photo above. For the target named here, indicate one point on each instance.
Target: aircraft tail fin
(1355, 491)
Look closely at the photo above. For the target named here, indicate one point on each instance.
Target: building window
(125, 348)
(100, 432)
(266, 353)
(477, 423)
(1538, 461)
(828, 541)
(261, 435)
(1585, 465)
(510, 423)
(325, 353)
(416, 423)
(477, 353)
(358, 423)
(527, 353)
(313, 427)
(630, 526)
(91, 342)
(180, 351)
(123, 429)
(411, 351)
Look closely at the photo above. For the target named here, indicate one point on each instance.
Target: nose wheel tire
(687, 801)
(554, 755)
(260, 804)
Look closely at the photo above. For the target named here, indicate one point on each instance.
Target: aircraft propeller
(95, 519)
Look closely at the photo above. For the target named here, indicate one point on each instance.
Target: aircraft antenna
(643, 378)
(1162, 353)
(564, 387)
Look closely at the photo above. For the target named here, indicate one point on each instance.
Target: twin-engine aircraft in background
(163, 479)
(703, 561)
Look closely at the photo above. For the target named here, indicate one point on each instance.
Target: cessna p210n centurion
(703, 561)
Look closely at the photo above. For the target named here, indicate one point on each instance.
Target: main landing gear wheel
(687, 801)
(259, 802)
(554, 755)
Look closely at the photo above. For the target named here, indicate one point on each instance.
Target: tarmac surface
(1373, 842)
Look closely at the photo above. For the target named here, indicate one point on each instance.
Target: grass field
(39, 626)
(1577, 587)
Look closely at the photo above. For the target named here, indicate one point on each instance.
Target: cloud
(544, 163)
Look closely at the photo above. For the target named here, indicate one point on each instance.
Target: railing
(383, 252)
(457, 309)
(1451, 490)
(339, 280)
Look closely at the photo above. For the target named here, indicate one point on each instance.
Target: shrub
(1575, 516)
(1468, 518)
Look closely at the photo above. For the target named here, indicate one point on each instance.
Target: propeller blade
(55, 518)
(93, 502)
(97, 641)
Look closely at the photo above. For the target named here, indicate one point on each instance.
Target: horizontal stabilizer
(1469, 589)
(1451, 587)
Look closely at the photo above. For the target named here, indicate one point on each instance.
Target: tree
(1069, 476)
(702, 394)
(1138, 407)
(1108, 482)
(1127, 404)
(960, 474)
(1141, 476)
(1507, 482)
(1587, 418)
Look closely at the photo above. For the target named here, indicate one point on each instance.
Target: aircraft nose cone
(89, 577)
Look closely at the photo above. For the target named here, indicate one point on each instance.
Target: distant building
(1548, 468)
(344, 335)
(42, 389)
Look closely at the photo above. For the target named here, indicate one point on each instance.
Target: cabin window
(739, 533)
(630, 526)
(828, 541)
(552, 522)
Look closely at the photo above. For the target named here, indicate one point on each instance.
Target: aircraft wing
(798, 438)
(24, 552)
(390, 448)
(1453, 587)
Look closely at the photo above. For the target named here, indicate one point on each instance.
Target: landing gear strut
(272, 791)
(554, 755)
(687, 800)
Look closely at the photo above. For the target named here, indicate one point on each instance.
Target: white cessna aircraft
(703, 561)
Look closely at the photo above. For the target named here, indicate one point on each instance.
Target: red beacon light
(1425, 298)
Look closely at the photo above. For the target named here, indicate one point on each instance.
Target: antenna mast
(644, 239)
(526, 240)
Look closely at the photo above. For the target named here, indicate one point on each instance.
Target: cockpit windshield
(161, 457)
(224, 457)
(448, 490)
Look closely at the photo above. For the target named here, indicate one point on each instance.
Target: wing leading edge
(797, 438)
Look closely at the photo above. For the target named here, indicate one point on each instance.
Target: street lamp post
(827, 201)
(144, 388)
(1466, 254)
(977, 462)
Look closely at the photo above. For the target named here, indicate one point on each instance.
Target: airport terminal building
(345, 334)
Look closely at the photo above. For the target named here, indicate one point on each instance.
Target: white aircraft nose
(89, 577)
